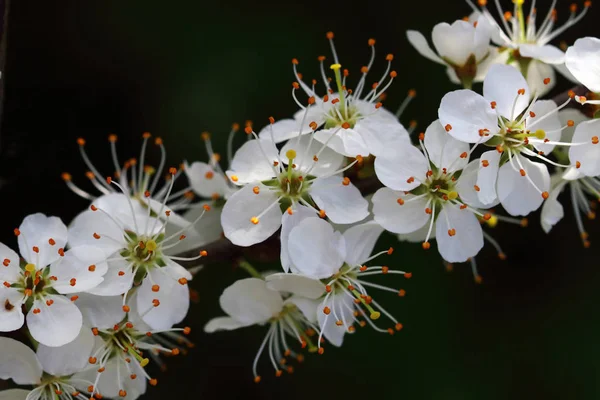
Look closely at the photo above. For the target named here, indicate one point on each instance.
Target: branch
(223, 250)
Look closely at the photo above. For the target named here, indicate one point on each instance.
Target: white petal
(454, 42)
(464, 114)
(289, 222)
(347, 142)
(11, 315)
(9, 264)
(249, 163)
(284, 129)
(515, 192)
(70, 358)
(494, 56)
(419, 42)
(83, 227)
(418, 236)
(481, 40)
(18, 362)
(308, 307)
(360, 242)
(397, 218)
(468, 237)
(402, 167)
(328, 161)
(502, 85)
(380, 133)
(128, 212)
(342, 306)
(487, 177)
(244, 205)
(116, 378)
(100, 312)
(37, 230)
(174, 299)
(550, 124)
(14, 394)
(205, 180)
(207, 230)
(570, 114)
(86, 264)
(249, 301)
(316, 249)
(552, 210)
(297, 284)
(587, 154)
(444, 151)
(343, 204)
(54, 325)
(583, 60)
(536, 73)
(117, 280)
(222, 324)
(547, 53)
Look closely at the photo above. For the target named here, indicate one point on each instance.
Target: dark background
(89, 68)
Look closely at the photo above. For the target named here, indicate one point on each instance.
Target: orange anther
(326, 310)
(187, 330)
(6, 262)
(476, 188)
(182, 281)
(322, 213)
(522, 172)
(451, 232)
(311, 100)
(546, 81)
(493, 104)
(92, 360)
(371, 42)
(521, 91)
(81, 141)
(545, 195)
(389, 57)
(203, 253)
(96, 236)
(92, 268)
(155, 288)
(321, 350)
(295, 85)
(126, 308)
(72, 281)
(329, 35)
(256, 189)
(254, 220)
(346, 125)
(400, 201)
(295, 61)
(426, 245)
(577, 164)
(402, 293)
(158, 141)
(155, 302)
(384, 270)
(448, 127)
(595, 139)
(393, 74)
(346, 181)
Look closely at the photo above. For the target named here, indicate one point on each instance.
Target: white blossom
(583, 60)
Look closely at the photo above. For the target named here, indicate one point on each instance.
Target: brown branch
(223, 250)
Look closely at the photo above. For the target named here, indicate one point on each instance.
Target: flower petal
(348, 142)
(173, 298)
(486, 179)
(467, 238)
(537, 72)
(11, 315)
(19, 363)
(402, 167)
(205, 180)
(588, 154)
(206, 230)
(54, 325)
(341, 308)
(249, 163)
(244, 205)
(85, 264)
(360, 242)
(9, 264)
(443, 150)
(289, 222)
(316, 249)
(70, 358)
(14, 394)
(284, 129)
(222, 324)
(552, 210)
(100, 312)
(88, 223)
(502, 85)
(550, 124)
(464, 114)
(117, 280)
(517, 195)
(38, 230)
(379, 133)
(297, 284)
(454, 42)
(306, 147)
(547, 53)
(249, 301)
(342, 203)
(419, 42)
(308, 307)
(570, 114)
(583, 60)
(405, 218)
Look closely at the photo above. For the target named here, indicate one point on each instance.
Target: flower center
(144, 252)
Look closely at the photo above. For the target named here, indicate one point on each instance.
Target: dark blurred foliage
(175, 69)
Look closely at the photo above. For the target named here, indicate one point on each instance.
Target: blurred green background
(87, 68)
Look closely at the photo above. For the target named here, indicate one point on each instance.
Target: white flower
(135, 246)
(504, 118)
(583, 60)
(304, 172)
(528, 42)
(48, 272)
(121, 345)
(250, 302)
(434, 186)
(463, 47)
(329, 266)
(49, 371)
(353, 123)
(585, 150)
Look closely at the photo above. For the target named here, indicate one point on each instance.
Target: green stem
(245, 265)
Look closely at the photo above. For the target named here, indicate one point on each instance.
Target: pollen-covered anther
(546, 81)
(322, 213)
(521, 91)
(594, 139)
(428, 211)
(326, 310)
(346, 125)
(401, 292)
(477, 189)
(254, 220)
(346, 181)
(96, 236)
(92, 268)
(74, 297)
(408, 275)
(182, 281)
(522, 172)
(126, 308)
(203, 253)
(410, 179)
(155, 302)
(448, 127)
(451, 232)
(72, 281)
(311, 100)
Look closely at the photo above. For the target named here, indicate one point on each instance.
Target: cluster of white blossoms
(102, 296)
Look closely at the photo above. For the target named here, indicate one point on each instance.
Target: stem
(245, 265)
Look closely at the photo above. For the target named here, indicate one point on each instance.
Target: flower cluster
(102, 296)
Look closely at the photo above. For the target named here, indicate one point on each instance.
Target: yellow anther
(540, 134)
(492, 222)
(519, 2)
(144, 362)
(375, 315)
(452, 195)
(151, 245)
(336, 66)
(30, 267)
(290, 154)
(254, 220)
